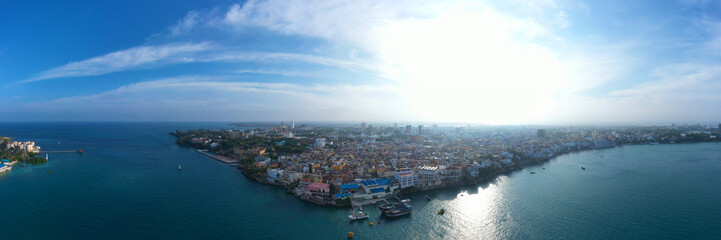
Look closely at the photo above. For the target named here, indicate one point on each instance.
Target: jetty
(63, 151)
(223, 159)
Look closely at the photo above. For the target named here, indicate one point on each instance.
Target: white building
(25, 146)
(320, 142)
(275, 174)
(429, 176)
(406, 177)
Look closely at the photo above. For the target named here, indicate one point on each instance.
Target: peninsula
(357, 164)
(12, 152)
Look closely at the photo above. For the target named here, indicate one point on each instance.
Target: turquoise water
(126, 186)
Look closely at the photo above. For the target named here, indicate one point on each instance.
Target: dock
(219, 158)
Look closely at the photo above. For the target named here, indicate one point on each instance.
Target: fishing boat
(358, 216)
(398, 209)
(385, 207)
(583, 168)
(533, 172)
(397, 212)
(442, 211)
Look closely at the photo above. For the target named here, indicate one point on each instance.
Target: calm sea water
(126, 186)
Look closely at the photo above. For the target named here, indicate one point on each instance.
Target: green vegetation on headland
(240, 144)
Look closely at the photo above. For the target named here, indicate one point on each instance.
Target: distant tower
(292, 125)
(420, 130)
(363, 126)
(408, 129)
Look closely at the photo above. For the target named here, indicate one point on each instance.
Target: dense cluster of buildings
(363, 163)
(24, 146)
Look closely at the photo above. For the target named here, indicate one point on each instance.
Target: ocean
(126, 186)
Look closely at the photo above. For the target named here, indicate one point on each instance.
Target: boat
(350, 234)
(371, 223)
(80, 151)
(533, 172)
(398, 209)
(442, 211)
(427, 197)
(386, 207)
(179, 167)
(397, 212)
(583, 168)
(358, 216)
(544, 168)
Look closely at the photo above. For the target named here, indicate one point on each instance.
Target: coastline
(481, 179)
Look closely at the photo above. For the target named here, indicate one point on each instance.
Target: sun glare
(468, 67)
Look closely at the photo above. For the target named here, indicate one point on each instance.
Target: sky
(488, 62)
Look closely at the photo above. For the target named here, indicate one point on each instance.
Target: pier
(63, 151)
(217, 157)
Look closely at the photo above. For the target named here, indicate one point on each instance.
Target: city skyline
(518, 62)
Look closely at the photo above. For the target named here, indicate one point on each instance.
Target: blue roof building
(5, 160)
(346, 187)
(341, 195)
(377, 190)
(376, 182)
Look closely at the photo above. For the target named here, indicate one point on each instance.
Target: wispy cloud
(190, 97)
(123, 60)
(282, 73)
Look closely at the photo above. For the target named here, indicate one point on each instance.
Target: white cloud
(221, 98)
(124, 60)
(282, 73)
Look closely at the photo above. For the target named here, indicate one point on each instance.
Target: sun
(464, 66)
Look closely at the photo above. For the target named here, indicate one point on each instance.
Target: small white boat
(179, 167)
(358, 216)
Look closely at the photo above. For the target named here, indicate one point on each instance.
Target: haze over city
(491, 62)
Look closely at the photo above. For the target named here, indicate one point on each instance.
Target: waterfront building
(24, 146)
(428, 176)
(274, 174)
(406, 177)
(322, 189)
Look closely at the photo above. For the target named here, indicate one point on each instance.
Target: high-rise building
(292, 124)
(320, 142)
(363, 126)
(408, 129)
(541, 133)
(420, 130)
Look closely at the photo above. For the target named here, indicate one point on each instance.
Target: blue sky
(495, 62)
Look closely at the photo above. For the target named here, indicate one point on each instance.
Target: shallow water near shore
(126, 186)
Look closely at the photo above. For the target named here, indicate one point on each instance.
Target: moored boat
(442, 211)
(397, 212)
(358, 216)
